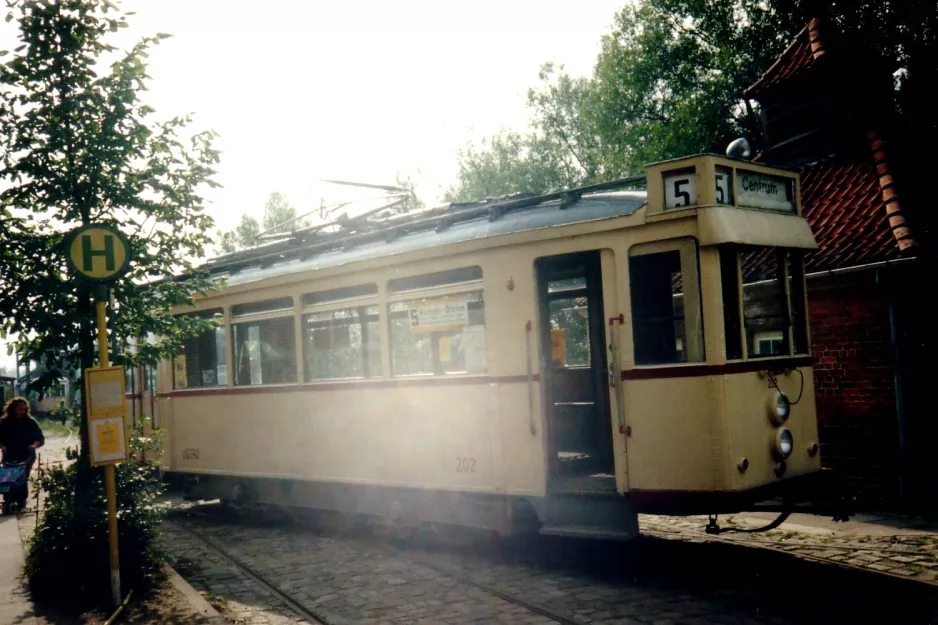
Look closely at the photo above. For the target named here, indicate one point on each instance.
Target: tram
(560, 362)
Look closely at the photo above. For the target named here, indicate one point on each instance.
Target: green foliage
(72, 532)
(78, 146)
(244, 235)
(670, 77)
(557, 151)
(669, 82)
(277, 212)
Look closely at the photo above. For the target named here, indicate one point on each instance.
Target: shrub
(68, 558)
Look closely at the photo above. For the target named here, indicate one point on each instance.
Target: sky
(307, 90)
(303, 91)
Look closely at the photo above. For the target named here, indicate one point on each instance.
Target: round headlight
(784, 443)
(779, 408)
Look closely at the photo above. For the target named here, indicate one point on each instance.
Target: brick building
(826, 113)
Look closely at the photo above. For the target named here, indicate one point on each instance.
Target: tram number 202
(465, 465)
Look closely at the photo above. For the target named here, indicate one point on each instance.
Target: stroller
(13, 486)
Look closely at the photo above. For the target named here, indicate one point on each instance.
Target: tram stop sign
(100, 253)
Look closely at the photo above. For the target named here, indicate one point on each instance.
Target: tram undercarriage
(584, 515)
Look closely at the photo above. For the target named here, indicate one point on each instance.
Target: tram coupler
(714, 528)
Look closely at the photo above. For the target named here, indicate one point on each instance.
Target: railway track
(478, 578)
(316, 616)
(287, 599)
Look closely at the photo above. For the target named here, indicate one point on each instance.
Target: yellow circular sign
(98, 252)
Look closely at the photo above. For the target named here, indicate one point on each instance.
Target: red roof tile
(800, 56)
(844, 204)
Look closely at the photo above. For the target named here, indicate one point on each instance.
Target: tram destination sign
(772, 193)
(439, 315)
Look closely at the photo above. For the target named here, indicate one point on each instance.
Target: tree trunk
(86, 347)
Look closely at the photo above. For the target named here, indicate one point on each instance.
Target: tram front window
(773, 318)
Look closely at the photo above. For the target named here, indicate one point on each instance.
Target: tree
(244, 235)
(78, 146)
(277, 212)
(669, 82)
(557, 151)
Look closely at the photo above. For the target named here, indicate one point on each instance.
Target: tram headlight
(784, 443)
(779, 408)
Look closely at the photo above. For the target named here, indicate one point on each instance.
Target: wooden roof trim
(812, 31)
(895, 211)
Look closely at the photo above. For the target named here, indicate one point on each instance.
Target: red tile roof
(800, 56)
(843, 201)
(851, 201)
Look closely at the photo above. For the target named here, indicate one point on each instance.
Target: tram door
(574, 373)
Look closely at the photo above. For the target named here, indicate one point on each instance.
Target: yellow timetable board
(107, 409)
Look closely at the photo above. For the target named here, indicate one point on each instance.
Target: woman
(20, 437)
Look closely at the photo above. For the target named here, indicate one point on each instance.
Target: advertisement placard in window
(472, 346)
(179, 371)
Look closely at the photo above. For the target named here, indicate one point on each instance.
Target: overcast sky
(301, 91)
(356, 90)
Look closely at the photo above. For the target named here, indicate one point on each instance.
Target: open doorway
(574, 369)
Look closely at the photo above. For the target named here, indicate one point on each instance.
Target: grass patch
(219, 603)
(52, 427)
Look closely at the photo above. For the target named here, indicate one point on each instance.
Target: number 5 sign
(680, 189)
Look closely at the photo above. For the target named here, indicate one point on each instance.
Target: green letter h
(88, 254)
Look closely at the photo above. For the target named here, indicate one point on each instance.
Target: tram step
(590, 531)
(587, 516)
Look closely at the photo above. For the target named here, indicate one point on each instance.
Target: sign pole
(100, 253)
(110, 482)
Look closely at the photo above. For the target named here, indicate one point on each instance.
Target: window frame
(331, 306)
(464, 287)
(254, 317)
(689, 249)
(209, 313)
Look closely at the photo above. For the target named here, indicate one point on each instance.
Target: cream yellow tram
(561, 362)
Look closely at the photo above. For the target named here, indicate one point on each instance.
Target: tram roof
(363, 239)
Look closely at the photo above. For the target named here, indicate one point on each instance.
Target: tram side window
(202, 361)
(666, 319)
(149, 377)
(342, 343)
(264, 348)
(438, 336)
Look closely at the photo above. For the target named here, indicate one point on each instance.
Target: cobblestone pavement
(912, 555)
(356, 579)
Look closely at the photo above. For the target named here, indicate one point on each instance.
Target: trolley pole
(110, 482)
